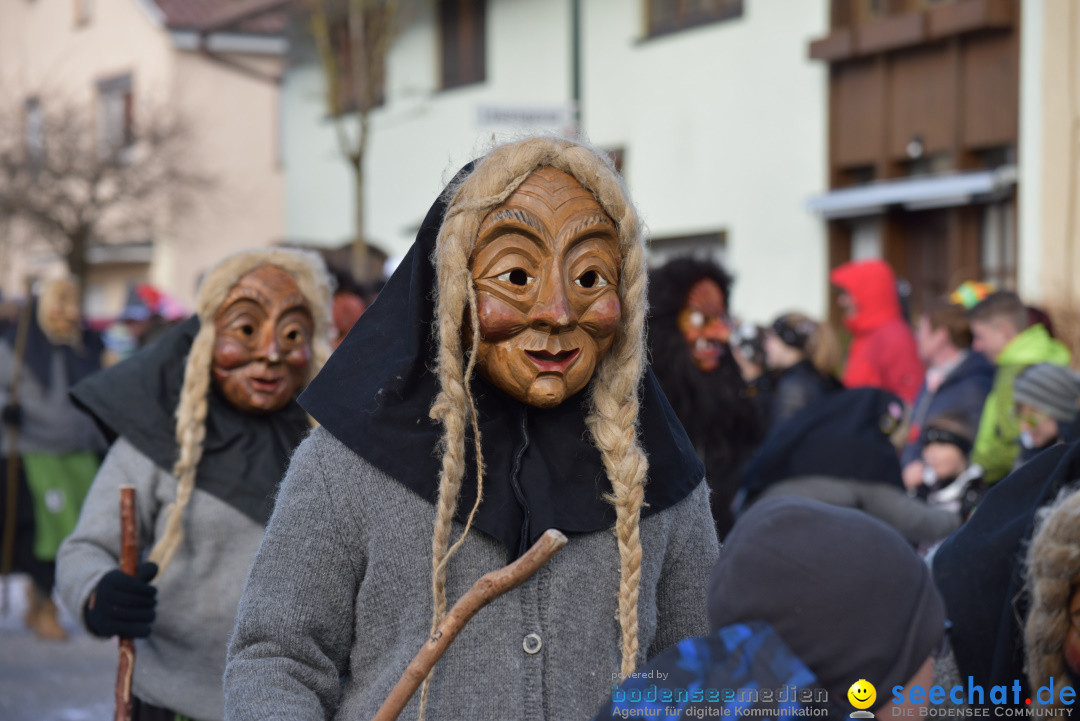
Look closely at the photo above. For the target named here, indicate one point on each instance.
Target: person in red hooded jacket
(883, 353)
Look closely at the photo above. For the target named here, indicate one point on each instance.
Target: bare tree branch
(62, 178)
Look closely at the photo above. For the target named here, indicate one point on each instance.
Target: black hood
(244, 456)
(542, 470)
(980, 568)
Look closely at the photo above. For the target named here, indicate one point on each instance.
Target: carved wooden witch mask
(60, 310)
(546, 269)
(262, 345)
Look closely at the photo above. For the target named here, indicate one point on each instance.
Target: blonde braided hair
(613, 400)
(1053, 572)
(310, 274)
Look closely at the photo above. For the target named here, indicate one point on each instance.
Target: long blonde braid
(311, 276)
(614, 405)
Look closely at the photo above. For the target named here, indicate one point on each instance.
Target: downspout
(575, 64)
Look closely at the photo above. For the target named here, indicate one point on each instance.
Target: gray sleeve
(914, 519)
(93, 548)
(294, 627)
(684, 580)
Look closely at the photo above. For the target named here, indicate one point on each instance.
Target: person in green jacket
(999, 325)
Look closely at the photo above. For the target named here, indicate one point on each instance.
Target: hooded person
(982, 575)
(866, 611)
(59, 448)
(688, 343)
(204, 422)
(456, 427)
(882, 353)
(840, 452)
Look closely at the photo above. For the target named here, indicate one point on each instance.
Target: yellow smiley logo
(862, 694)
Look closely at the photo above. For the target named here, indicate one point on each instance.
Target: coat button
(532, 643)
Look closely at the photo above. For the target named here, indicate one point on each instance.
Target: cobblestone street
(52, 681)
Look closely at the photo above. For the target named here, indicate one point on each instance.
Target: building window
(999, 244)
(352, 90)
(34, 132)
(461, 25)
(116, 115)
(84, 12)
(710, 245)
(665, 16)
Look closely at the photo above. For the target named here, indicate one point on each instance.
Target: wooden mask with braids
(262, 341)
(546, 272)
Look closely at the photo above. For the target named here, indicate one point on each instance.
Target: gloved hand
(123, 605)
(11, 415)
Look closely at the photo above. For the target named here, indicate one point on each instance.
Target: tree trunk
(77, 263)
(359, 249)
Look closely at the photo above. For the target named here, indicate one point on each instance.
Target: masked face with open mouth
(262, 345)
(704, 325)
(546, 269)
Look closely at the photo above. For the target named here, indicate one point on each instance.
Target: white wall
(422, 135)
(1030, 155)
(723, 126)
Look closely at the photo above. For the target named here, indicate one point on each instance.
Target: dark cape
(716, 408)
(79, 362)
(844, 435)
(541, 469)
(244, 455)
(980, 568)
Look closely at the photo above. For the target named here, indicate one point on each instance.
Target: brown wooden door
(922, 244)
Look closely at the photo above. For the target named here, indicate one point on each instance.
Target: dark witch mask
(262, 346)
(703, 323)
(546, 269)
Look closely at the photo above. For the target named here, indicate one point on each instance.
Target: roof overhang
(922, 193)
(120, 253)
(229, 43)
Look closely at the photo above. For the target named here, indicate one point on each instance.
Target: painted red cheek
(498, 319)
(298, 357)
(603, 316)
(1072, 650)
(230, 354)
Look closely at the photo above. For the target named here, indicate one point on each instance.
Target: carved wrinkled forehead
(59, 289)
(547, 203)
(269, 286)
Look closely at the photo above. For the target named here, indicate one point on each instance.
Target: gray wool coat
(339, 601)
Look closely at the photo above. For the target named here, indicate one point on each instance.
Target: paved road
(52, 681)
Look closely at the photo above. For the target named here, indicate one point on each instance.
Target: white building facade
(718, 123)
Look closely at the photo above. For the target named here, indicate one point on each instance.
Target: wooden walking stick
(483, 592)
(7, 546)
(129, 557)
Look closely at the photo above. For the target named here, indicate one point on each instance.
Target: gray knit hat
(1052, 389)
(844, 591)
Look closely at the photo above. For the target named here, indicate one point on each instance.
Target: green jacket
(999, 429)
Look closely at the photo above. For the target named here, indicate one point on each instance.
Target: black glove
(12, 415)
(123, 605)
